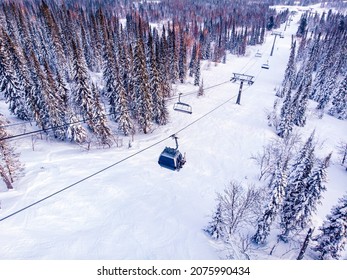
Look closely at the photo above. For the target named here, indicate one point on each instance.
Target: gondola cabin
(171, 158)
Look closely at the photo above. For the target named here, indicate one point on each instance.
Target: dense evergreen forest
(51, 50)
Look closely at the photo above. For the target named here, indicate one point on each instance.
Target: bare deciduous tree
(239, 205)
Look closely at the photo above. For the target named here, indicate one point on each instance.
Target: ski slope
(135, 209)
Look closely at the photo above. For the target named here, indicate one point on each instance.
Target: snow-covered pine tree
(81, 89)
(161, 54)
(300, 100)
(333, 233)
(182, 59)
(292, 213)
(10, 166)
(278, 186)
(314, 189)
(285, 125)
(216, 227)
(339, 103)
(201, 89)
(289, 74)
(197, 73)
(192, 61)
(10, 86)
(172, 52)
(55, 105)
(160, 113)
(143, 102)
(302, 26)
(122, 114)
(320, 79)
(97, 120)
(75, 131)
(36, 98)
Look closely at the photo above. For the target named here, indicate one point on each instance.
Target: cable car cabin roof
(182, 107)
(169, 158)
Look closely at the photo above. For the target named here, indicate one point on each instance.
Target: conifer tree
(55, 105)
(197, 73)
(278, 186)
(143, 98)
(292, 210)
(300, 101)
(122, 114)
(289, 74)
(10, 166)
(333, 233)
(86, 99)
(97, 120)
(182, 59)
(285, 125)
(10, 86)
(160, 113)
(216, 227)
(314, 189)
(192, 61)
(339, 103)
(173, 64)
(36, 97)
(75, 131)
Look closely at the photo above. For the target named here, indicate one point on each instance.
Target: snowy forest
(87, 73)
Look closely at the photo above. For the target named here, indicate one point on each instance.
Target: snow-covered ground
(138, 210)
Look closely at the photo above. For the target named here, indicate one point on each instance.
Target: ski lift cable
(10, 137)
(81, 180)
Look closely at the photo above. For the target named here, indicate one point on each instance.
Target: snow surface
(138, 210)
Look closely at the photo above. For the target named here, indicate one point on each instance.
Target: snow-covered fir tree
(10, 166)
(292, 213)
(160, 112)
(314, 190)
(289, 74)
(285, 124)
(192, 61)
(197, 73)
(75, 131)
(182, 58)
(55, 106)
(97, 120)
(216, 227)
(300, 99)
(339, 103)
(278, 186)
(10, 84)
(144, 102)
(333, 233)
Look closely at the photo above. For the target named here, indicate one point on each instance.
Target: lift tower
(242, 78)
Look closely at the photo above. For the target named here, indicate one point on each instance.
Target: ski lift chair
(171, 158)
(182, 107)
(265, 65)
(258, 54)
